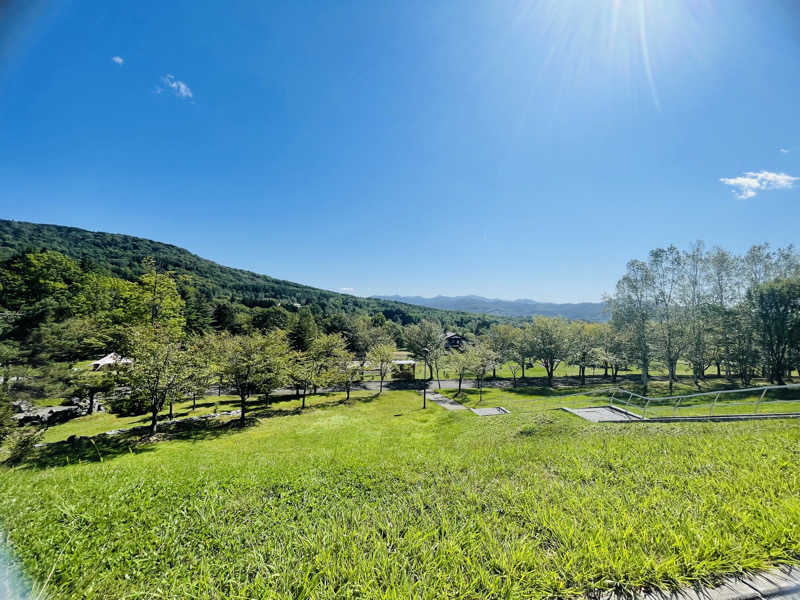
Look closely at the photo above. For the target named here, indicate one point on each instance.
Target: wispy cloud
(784, 151)
(347, 290)
(117, 59)
(749, 184)
(178, 87)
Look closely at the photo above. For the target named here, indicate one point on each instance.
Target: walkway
(777, 583)
(450, 404)
(604, 414)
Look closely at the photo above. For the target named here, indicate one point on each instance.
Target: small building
(403, 369)
(109, 361)
(454, 341)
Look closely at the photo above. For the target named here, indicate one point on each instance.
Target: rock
(21, 406)
(49, 415)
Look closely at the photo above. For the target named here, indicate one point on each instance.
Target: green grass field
(377, 498)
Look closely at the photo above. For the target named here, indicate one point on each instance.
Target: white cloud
(180, 89)
(749, 184)
(117, 59)
(784, 151)
(347, 290)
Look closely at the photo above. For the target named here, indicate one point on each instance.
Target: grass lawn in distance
(349, 500)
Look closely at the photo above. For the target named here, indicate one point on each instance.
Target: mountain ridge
(521, 307)
(121, 255)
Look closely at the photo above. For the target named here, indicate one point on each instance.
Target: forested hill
(584, 311)
(123, 255)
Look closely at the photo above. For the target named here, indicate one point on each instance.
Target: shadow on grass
(102, 447)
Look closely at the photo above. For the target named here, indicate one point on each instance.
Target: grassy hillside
(377, 498)
(122, 255)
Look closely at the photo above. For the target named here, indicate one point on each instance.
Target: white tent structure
(108, 362)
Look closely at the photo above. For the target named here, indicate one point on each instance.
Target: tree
(200, 352)
(273, 317)
(327, 362)
(694, 298)
(7, 423)
(583, 343)
(461, 363)
(9, 355)
(666, 267)
(158, 301)
(87, 384)
(722, 275)
(303, 331)
(251, 364)
(777, 307)
(741, 351)
(347, 369)
(482, 360)
(611, 349)
(158, 373)
(631, 310)
(326, 355)
(223, 318)
(380, 356)
(502, 339)
(301, 374)
(551, 343)
(425, 341)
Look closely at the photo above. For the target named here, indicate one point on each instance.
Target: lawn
(377, 498)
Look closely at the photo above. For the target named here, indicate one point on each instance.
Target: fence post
(758, 402)
(713, 405)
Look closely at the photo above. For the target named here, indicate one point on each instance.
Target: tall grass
(347, 500)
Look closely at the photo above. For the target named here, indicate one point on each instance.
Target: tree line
(740, 314)
(54, 308)
(708, 308)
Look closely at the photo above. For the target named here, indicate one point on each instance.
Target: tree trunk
(523, 368)
(460, 378)
(91, 402)
(304, 397)
(494, 372)
(170, 411)
(154, 422)
(347, 390)
(644, 376)
(605, 369)
(194, 402)
(243, 408)
(380, 391)
(582, 371)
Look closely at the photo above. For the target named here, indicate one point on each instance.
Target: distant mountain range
(586, 311)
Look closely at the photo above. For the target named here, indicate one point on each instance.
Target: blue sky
(507, 149)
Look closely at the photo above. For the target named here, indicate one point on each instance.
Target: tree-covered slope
(122, 256)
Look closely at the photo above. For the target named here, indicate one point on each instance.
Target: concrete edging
(781, 583)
